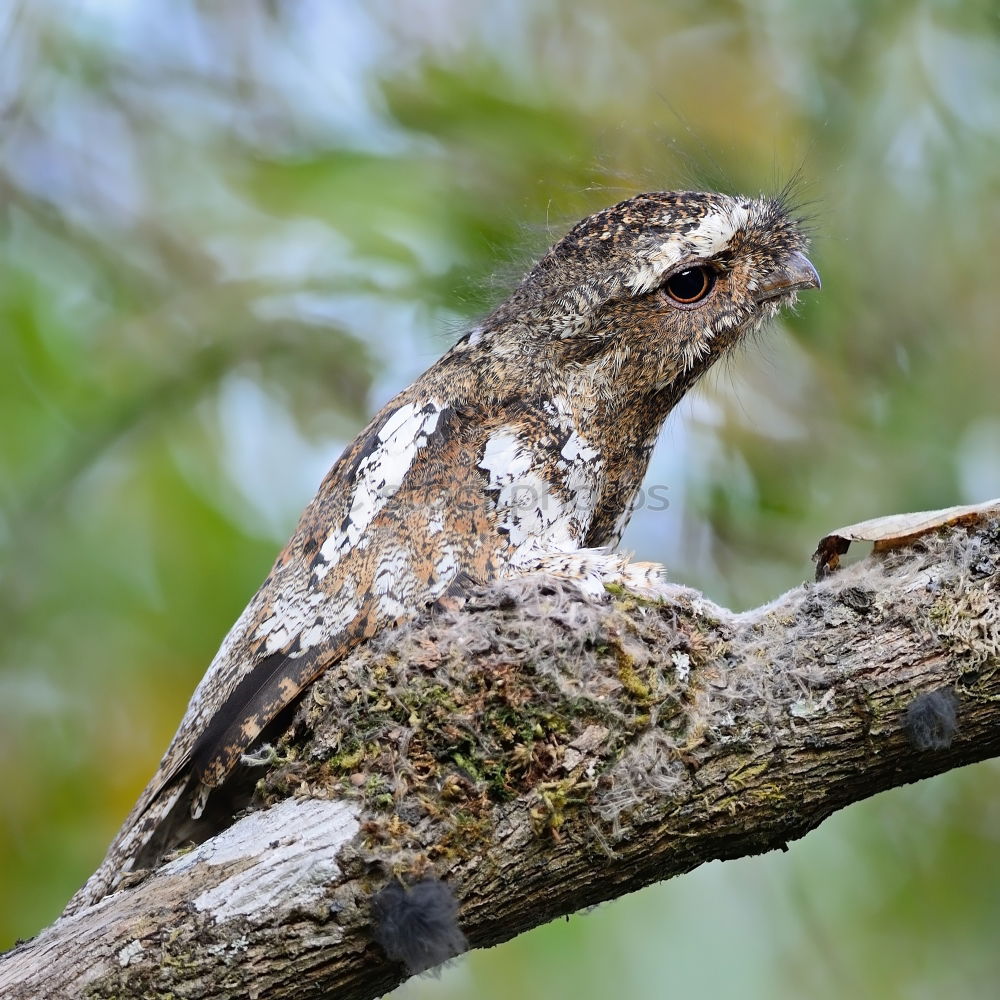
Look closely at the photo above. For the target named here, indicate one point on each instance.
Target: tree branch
(540, 752)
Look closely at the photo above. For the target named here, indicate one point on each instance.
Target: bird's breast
(543, 477)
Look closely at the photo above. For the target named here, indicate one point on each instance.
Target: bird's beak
(796, 273)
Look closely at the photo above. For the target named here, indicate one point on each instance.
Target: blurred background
(229, 231)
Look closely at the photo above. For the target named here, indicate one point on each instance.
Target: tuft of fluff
(418, 926)
(932, 720)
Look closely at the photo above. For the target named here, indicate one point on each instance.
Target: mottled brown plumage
(522, 449)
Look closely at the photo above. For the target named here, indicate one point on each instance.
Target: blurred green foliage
(229, 231)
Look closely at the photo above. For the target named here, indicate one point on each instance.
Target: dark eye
(691, 285)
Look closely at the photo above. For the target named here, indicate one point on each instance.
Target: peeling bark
(541, 752)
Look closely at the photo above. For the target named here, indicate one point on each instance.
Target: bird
(521, 450)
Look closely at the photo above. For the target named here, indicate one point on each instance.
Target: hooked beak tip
(796, 274)
(809, 274)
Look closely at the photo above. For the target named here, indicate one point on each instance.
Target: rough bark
(540, 752)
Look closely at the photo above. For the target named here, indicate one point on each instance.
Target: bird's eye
(690, 286)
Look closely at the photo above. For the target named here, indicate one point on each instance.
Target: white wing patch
(395, 582)
(314, 616)
(380, 475)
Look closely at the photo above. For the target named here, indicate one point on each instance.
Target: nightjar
(521, 450)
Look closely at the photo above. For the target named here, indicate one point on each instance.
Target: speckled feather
(523, 448)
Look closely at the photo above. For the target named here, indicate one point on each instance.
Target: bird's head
(644, 296)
